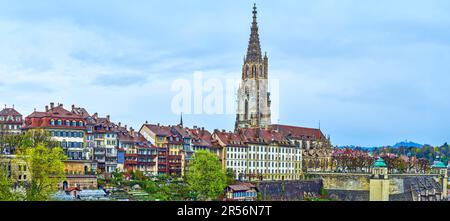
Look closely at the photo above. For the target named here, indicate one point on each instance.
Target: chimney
(52, 105)
(61, 105)
(73, 106)
(120, 124)
(46, 108)
(126, 127)
(146, 122)
(159, 125)
(132, 131)
(108, 117)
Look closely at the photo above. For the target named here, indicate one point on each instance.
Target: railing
(111, 154)
(130, 162)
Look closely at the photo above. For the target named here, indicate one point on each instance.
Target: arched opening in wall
(86, 169)
(246, 110)
(65, 185)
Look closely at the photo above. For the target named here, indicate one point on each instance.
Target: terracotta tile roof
(256, 135)
(10, 112)
(299, 132)
(57, 112)
(230, 138)
(126, 136)
(201, 137)
(183, 132)
(242, 187)
(80, 111)
(159, 130)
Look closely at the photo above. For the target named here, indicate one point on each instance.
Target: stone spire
(254, 46)
(181, 120)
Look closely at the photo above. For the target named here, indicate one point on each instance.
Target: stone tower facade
(253, 95)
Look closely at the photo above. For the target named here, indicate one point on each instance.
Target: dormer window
(52, 122)
(59, 122)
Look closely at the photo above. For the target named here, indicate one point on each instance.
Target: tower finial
(254, 47)
(181, 120)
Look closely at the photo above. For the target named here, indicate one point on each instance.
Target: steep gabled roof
(10, 112)
(159, 130)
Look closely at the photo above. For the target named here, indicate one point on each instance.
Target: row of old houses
(97, 145)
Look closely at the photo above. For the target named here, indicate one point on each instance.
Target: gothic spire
(181, 120)
(254, 46)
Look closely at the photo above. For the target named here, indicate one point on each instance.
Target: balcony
(99, 153)
(111, 154)
(175, 157)
(152, 163)
(131, 155)
(131, 162)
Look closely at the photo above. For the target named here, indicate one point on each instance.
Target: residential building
(169, 147)
(259, 154)
(105, 144)
(16, 168)
(139, 154)
(66, 127)
(10, 121)
(241, 192)
(88, 152)
(234, 152)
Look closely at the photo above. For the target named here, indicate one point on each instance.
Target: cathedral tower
(253, 95)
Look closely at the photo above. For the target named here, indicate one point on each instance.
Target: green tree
(6, 187)
(46, 169)
(117, 179)
(206, 177)
(230, 176)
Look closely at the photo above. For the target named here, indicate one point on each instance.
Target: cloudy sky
(372, 72)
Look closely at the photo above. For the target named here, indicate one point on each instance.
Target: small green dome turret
(379, 163)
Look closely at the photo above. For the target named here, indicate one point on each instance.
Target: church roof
(299, 132)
